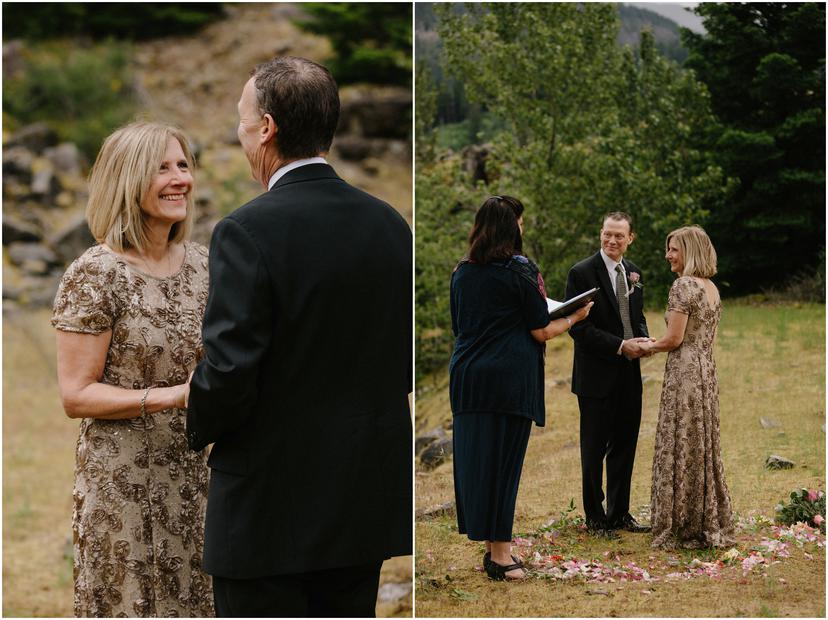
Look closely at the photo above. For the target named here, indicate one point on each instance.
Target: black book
(558, 309)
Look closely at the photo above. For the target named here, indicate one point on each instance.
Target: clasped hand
(638, 347)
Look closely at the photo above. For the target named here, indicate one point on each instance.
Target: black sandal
(487, 559)
(496, 572)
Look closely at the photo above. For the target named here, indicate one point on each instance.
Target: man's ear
(632, 238)
(268, 130)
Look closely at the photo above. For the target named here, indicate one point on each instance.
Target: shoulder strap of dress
(523, 267)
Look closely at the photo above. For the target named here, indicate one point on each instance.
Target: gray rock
(474, 161)
(436, 453)
(436, 511)
(13, 57)
(45, 183)
(353, 148)
(769, 423)
(35, 137)
(17, 161)
(393, 592)
(427, 439)
(15, 229)
(72, 240)
(377, 115)
(774, 461)
(34, 291)
(66, 158)
(20, 252)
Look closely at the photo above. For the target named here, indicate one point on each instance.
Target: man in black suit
(606, 375)
(304, 387)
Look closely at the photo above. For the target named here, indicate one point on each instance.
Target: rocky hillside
(193, 82)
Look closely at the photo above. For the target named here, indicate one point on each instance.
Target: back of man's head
(302, 98)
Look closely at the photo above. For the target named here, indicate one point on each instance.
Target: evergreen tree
(764, 65)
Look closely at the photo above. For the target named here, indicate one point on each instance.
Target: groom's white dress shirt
(611, 271)
(610, 265)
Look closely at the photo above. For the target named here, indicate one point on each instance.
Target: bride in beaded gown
(128, 314)
(690, 502)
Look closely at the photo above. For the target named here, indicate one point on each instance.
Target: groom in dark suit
(606, 375)
(304, 386)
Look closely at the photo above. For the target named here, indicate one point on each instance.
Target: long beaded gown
(140, 493)
(690, 502)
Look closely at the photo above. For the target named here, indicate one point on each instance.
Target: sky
(675, 11)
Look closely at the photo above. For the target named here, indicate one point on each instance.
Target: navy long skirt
(488, 458)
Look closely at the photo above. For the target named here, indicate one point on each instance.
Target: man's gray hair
(302, 98)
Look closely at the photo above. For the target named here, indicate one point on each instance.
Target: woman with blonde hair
(128, 314)
(690, 502)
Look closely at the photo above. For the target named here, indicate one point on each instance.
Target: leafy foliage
(102, 20)
(84, 92)
(764, 65)
(588, 128)
(807, 506)
(372, 41)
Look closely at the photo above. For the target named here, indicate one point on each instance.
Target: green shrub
(807, 506)
(136, 21)
(372, 41)
(83, 92)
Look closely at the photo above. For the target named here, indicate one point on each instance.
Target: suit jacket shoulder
(588, 263)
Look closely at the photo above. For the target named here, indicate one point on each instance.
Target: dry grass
(771, 362)
(38, 462)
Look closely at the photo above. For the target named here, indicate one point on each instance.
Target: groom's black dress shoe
(601, 530)
(629, 524)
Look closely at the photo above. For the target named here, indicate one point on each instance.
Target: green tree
(103, 20)
(589, 128)
(372, 40)
(764, 65)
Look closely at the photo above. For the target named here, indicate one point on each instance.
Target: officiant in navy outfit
(304, 388)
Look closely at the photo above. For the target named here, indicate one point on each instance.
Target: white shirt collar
(611, 263)
(293, 166)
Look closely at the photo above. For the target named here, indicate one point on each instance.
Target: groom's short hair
(302, 98)
(619, 216)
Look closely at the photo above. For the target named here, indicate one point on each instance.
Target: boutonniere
(634, 278)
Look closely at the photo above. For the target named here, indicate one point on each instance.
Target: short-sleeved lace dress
(140, 493)
(690, 502)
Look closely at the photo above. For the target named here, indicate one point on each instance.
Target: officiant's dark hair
(496, 234)
(302, 98)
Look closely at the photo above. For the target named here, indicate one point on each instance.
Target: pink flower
(813, 496)
(634, 277)
(818, 519)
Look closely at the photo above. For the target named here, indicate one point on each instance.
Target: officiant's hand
(581, 313)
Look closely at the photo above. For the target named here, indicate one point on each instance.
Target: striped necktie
(623, 302)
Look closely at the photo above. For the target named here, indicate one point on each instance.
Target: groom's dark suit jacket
(304, 386)
(597, 367)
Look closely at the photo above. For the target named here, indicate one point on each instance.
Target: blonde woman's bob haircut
(696, 250)
(120, 180)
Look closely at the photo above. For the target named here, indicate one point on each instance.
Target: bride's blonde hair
(121, 178)
(697, 251)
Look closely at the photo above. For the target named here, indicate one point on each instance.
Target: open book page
(558, 309)
(552, 305)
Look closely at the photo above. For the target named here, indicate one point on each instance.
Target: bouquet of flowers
(807, 506)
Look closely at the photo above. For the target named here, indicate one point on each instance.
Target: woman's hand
(559, 326)
(581, 313)
(80, 366)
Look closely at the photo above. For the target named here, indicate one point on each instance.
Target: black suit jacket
(597, 366)
(304, 387)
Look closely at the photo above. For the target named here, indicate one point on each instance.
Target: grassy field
(38, 461)
(771, 362)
